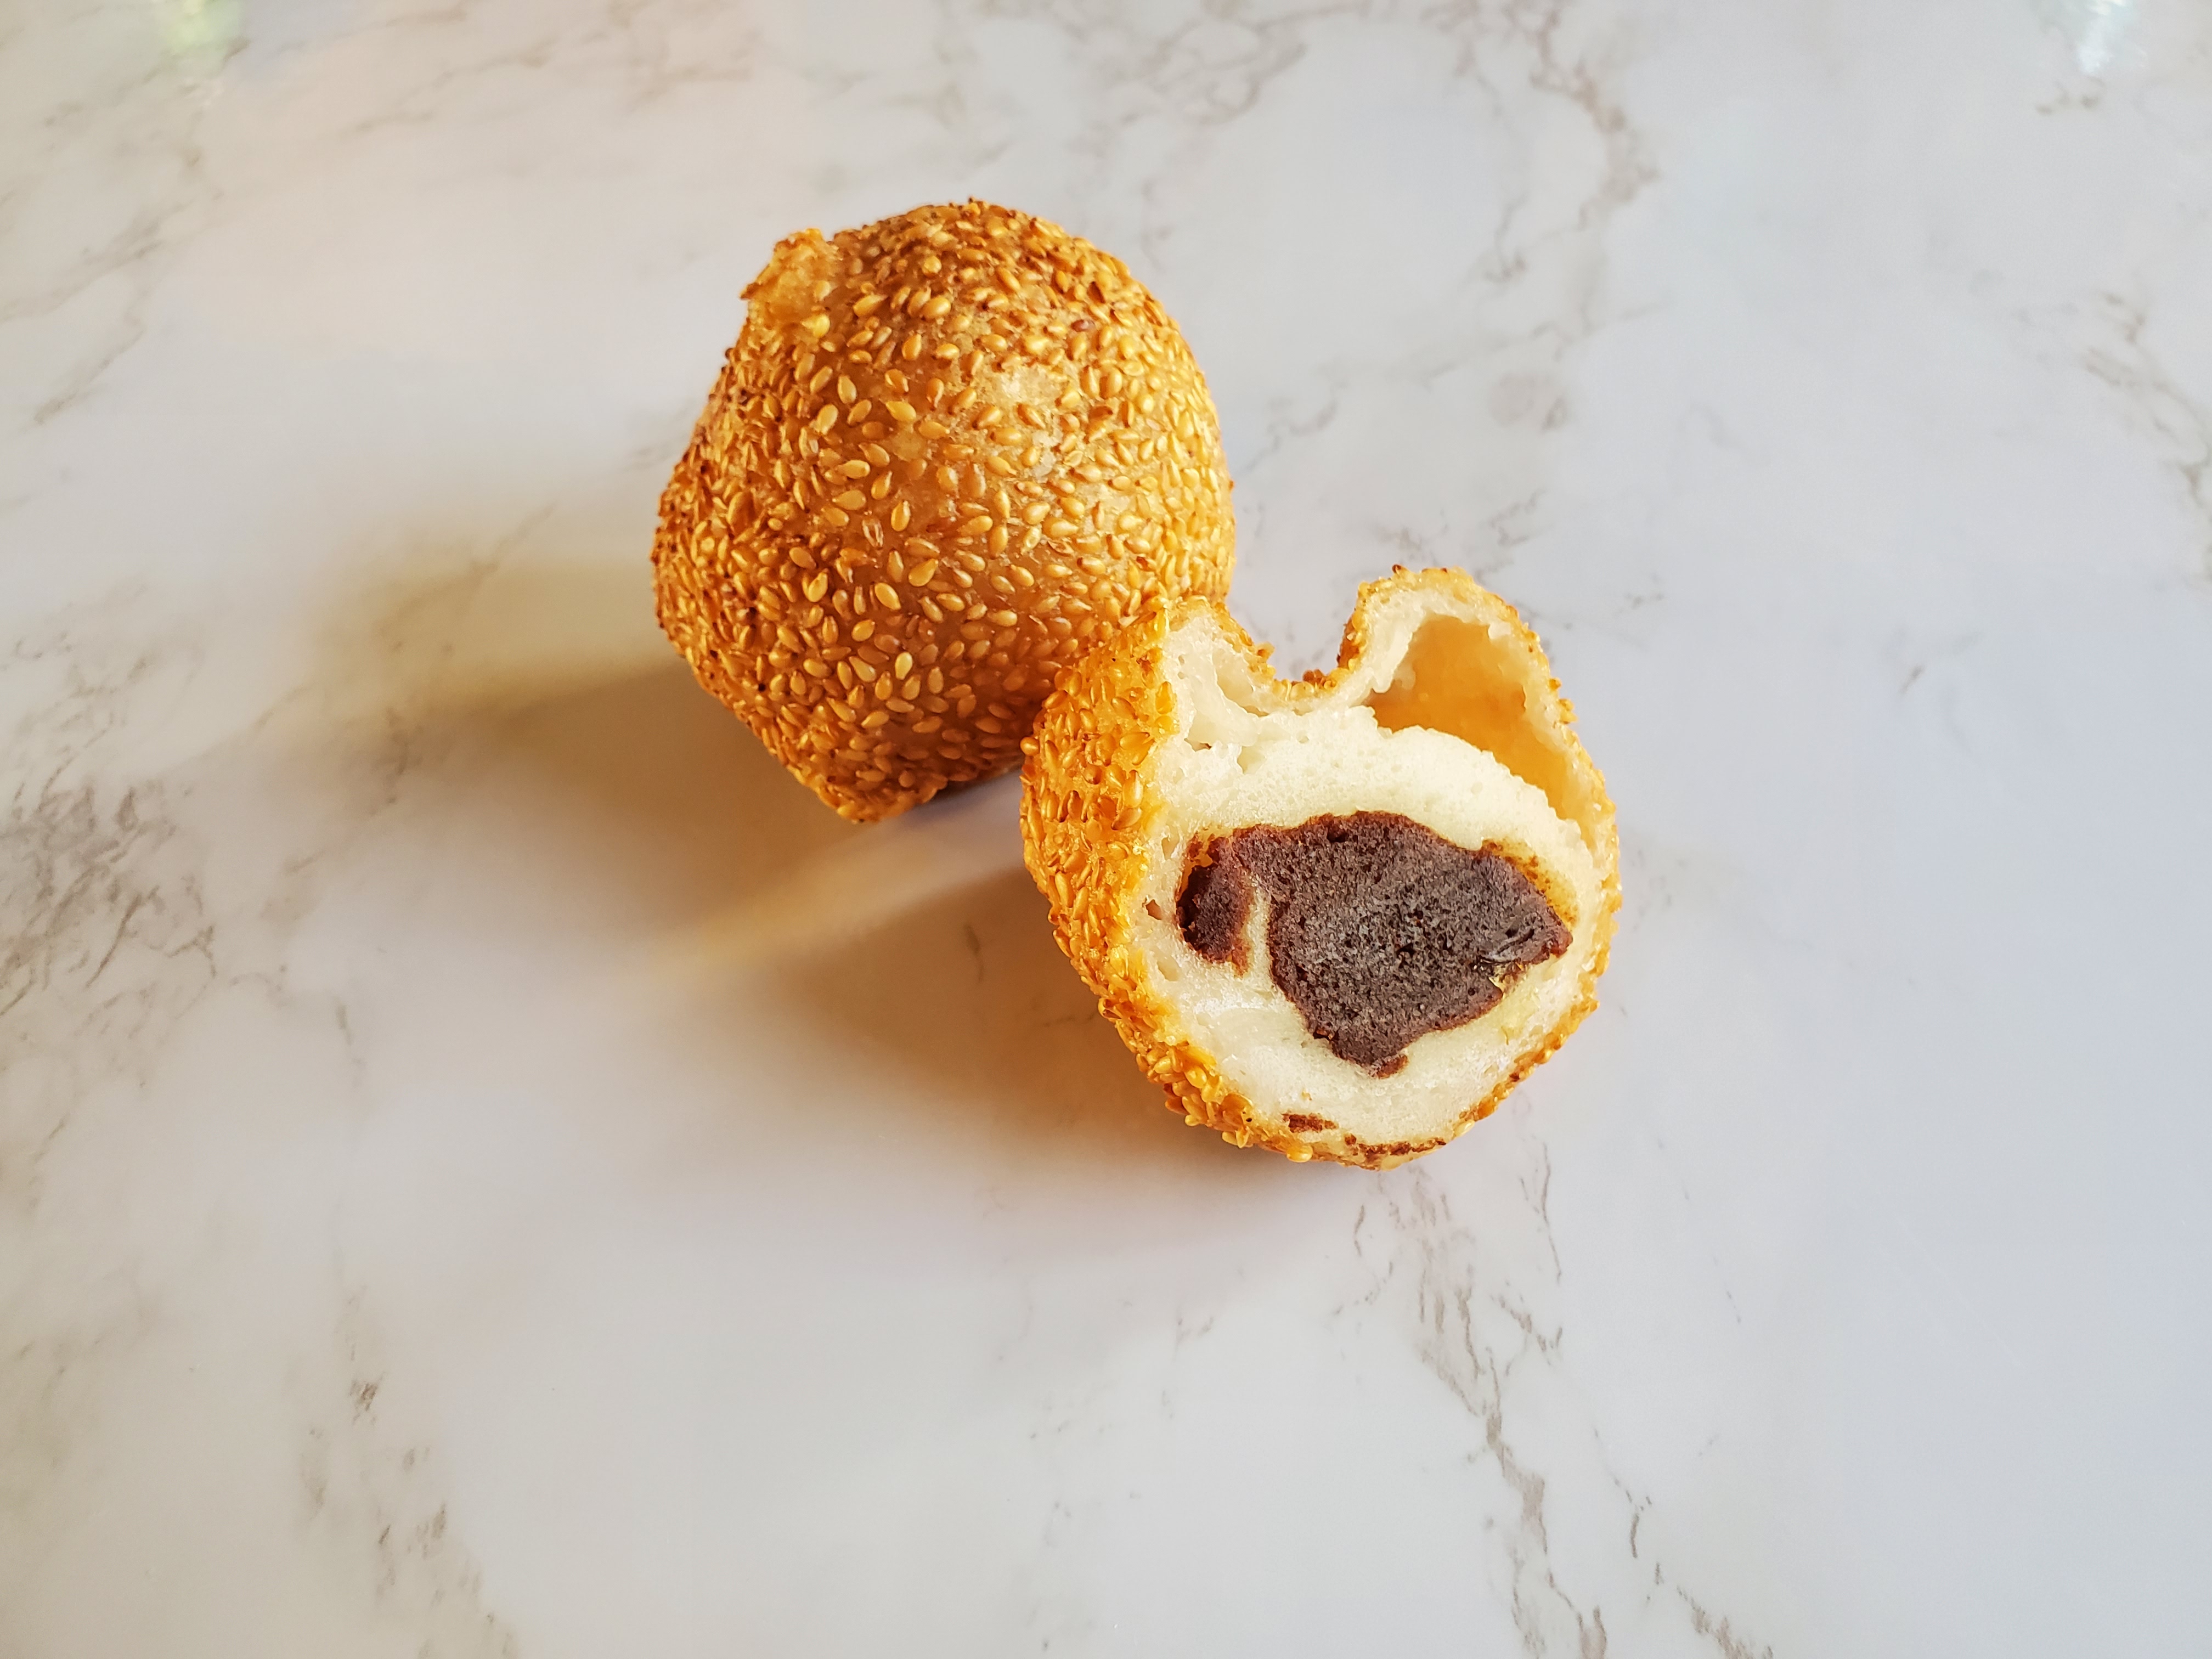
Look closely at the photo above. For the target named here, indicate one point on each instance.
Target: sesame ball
(949, 453)
(1263, 879)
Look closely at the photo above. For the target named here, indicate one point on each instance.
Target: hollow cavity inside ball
(950, 453)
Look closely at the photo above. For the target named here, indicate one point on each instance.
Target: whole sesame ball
(950, 453)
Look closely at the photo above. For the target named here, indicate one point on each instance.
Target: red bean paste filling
(1379, 930)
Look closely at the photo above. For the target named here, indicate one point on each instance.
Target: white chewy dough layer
(1245, 754)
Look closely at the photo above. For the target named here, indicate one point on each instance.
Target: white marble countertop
(489, 1167)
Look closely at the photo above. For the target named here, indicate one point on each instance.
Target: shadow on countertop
(526, 739)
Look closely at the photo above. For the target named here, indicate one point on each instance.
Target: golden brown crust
(948, 452)
(1088, 829)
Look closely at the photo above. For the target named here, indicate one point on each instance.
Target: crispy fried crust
(1088, 828)
(948, 452)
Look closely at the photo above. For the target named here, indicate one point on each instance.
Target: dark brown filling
(1379, 930)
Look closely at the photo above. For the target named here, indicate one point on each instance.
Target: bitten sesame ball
(1340, 917)
(950, 453)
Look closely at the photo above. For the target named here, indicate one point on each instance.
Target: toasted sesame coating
(948, 452)
(1092, 819)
